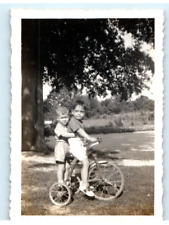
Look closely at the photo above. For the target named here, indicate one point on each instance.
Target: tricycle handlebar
(91, 144)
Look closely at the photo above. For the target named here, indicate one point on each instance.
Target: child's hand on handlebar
(99, 139)
(93, 139)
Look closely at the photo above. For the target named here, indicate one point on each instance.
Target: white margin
(16, 16)
(86, 1)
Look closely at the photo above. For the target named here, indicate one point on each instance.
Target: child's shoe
(86, 191)
(67, 182)
(60, 187)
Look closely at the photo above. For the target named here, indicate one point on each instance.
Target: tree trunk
(32, 94)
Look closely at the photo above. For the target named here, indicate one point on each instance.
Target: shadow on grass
(41, 165)
(101, 155)
(107, 154)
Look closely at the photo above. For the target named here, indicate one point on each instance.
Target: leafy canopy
(91, 54)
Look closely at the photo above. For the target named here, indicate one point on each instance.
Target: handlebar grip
(99, 139)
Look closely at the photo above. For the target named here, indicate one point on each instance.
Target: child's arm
(67, 135)
(64, 134)
(83, 134)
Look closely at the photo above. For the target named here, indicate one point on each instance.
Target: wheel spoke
(111, 184)
(60, 194)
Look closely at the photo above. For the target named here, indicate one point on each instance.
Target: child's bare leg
(84, 172)
(67, 168)
(60, 172)
(84, 175)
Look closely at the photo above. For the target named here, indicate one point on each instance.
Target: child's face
(78, 112)
(63, 119)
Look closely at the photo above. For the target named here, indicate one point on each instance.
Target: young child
(62, 146)
(77, 148)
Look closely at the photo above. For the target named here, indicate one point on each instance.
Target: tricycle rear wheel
(60, 194)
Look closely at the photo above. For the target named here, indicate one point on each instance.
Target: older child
(62, 146)
(77, 148)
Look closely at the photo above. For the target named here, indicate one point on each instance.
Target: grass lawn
(39, 173)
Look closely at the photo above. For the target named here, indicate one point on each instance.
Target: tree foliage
(91, 54)
(80, 54)
(95, 108)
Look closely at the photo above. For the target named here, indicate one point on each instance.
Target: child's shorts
(61, 148)
(77, 148)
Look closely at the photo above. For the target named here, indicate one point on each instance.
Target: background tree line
(95, 107)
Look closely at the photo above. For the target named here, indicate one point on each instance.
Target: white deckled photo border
(16, 117)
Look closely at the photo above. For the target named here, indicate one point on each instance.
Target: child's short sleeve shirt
(74, 125)
(76, 144)
(59, 130)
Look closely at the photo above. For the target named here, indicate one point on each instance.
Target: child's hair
(62, 110)
(79, 102)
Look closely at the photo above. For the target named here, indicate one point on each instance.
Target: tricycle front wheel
(107, 181)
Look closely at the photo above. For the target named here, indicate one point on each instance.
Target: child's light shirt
(74, 125)
(62, 146)
(76, 144)
(59, 130)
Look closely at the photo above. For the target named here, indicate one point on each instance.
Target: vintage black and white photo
(87, 89)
